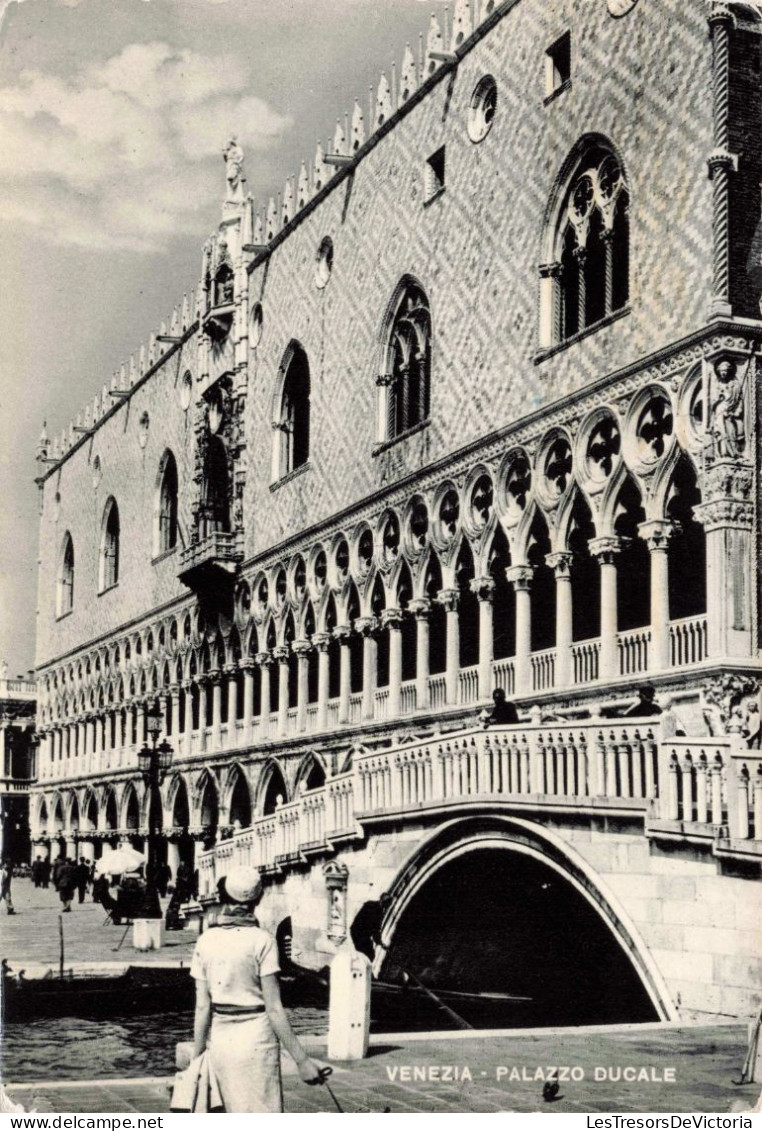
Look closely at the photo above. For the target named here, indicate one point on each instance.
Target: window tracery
(405, 386)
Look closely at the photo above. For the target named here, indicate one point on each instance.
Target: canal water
(78, 1048)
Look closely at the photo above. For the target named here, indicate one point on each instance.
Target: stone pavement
(426, 1073)
(30, 937)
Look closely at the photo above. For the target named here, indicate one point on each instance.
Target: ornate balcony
(215, 554)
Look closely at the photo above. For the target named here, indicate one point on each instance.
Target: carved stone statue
(234, 172)
(726, 423)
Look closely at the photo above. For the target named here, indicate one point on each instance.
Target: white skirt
(245, 1058)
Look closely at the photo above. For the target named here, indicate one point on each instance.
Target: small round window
(186, 390)
(481, 112)
(255, 325)
(324, 264)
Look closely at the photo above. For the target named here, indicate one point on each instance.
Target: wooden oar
(438, 1002)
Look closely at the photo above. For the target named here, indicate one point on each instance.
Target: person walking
(239, 1015)
(6, 875)
(45, 872)
(67, 881)
(58, 864)
(37, 871)
(82, 878)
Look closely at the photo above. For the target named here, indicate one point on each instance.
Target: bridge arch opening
(494, 911)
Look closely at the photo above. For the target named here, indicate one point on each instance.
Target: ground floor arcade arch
(502, 905)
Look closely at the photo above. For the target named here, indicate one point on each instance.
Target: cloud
(127, 151)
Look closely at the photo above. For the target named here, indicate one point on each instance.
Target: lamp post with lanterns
(154, 761)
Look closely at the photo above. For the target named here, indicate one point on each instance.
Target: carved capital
(320, 641)
(606, 548)
(366, 626)
(384, 380)
(720, 159)
(342, 633)
(392, 619)
(483, 587)
(301, 647)
(420, 608)
(551, 270)
(520, 577)
(560, 563)
(264, 659)
(281, 653)
(656, 534)
(336, 875)
(248, 665)
(215, 677)
(449, 599)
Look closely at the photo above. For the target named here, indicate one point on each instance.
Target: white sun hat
(243, 885)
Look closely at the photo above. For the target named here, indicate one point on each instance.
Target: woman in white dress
(239, 1014)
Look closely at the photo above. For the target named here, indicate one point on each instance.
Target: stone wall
(475, 248)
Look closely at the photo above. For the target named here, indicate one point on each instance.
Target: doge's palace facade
(472, 404)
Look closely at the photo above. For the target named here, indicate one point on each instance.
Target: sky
(113, 116)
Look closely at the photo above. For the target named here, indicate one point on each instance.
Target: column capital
(560, 563)
(551, 270)
(264, 659)
(248, 664)
(215, 676)
(301, 647)
(342, 633)
(281, 653)
(320, 641)
(391, 618)
(520, 576)
(483, 587)
(449, 599)
(420, 608)
(173, 690)
(720, 159)
(656, 533)
(721, 15)
(605, 548)
(187, 685)
(366, 626)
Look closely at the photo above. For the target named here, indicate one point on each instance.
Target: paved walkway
(30, 939)
(428, 1073)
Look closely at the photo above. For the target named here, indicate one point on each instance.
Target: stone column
(216, 680)
(302, 649)
(657, 535)
(203, 682)
(722, 163)
(231, 671)
(265, 660)
(606, 550)
(173, 857)
(187, 722)
(247, 667)
(484, 588)
(520, 577)
(561, 565)
(421, 610)
(368, 627)
(449, 598)
(392, 619)
(550, 306)
(142, 732)
(343, 632)
(320, 641)
(727, 515)
(173, 693)
(281, 655)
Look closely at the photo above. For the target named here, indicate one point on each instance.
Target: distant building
(18, 759)
(474, 405)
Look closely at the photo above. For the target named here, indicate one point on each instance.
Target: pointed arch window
(165, 530)
(291, 414)
(587, 276)
(404, 384)
(65, 580)
(108, 573)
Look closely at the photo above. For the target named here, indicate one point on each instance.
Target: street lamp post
(154, 761)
